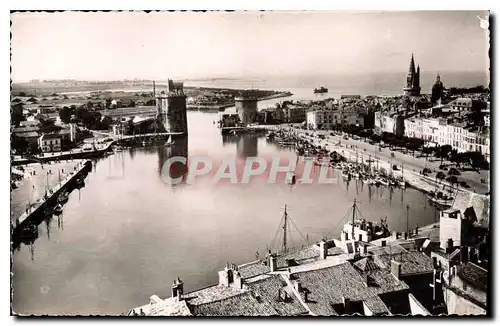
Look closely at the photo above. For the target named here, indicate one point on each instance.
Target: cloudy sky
(105, 46)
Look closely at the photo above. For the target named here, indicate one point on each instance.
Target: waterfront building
(171, 108)
(322, 118)
(294, 113)
(412, 87)
(246, 108)
(391, 122)
(49, 143)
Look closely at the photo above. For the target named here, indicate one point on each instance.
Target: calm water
(127, 234)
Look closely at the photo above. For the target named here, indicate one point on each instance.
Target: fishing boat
(402, 183)
(345, 174)
(29, 232)
(58, 209)
(381, 182)
(63, 197)
(169, 142)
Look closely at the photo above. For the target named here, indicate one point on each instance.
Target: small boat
(441, 203)
(321, 90)
(402, 183)
(345, 175)
(58, 209)
(63, 197)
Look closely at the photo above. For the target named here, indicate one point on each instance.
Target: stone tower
(412, 80)
(171, 108)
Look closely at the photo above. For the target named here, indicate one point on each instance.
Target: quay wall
(39, 211)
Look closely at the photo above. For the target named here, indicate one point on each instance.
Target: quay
(38, 210)
(97, 151)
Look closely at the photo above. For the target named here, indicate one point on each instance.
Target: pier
(38, 210)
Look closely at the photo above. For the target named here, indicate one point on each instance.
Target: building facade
(293, 113)
(321, 118)
(171, 108)
(49, 143)
(412, 80)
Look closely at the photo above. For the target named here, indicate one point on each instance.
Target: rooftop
(474, 275)
(413, 262)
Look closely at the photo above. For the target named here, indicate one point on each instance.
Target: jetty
(43, 205)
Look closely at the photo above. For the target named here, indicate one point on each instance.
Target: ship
(321, 90)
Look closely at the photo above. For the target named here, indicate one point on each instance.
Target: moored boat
(58, 209)
(63, 197)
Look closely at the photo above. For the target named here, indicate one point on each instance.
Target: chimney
(224, 276)
(396, 269)
(238, 281)
(346, 303)
(323, 250)
(363, 249)
(464, 255)
(470, 253)
(434, 262)
(297, 286)
(383, 243)
(180, 289)
(449, 246)
(273, 263)
(174, 289)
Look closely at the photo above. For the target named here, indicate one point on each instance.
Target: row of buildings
(448, 129)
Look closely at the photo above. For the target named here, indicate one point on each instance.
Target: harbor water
(128, 233)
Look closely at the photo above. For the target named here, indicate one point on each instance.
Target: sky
(127, 45)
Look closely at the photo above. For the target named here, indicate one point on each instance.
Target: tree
(443, 152)
(131, 104)
(452, 179)
(17, 114)
(19, 144)
(65, 114)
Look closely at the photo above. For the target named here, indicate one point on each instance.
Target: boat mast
(407, 215)
(284, 231)
(353, 216)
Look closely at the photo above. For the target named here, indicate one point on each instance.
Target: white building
(49, 143)
(458, 105)
(321, 118)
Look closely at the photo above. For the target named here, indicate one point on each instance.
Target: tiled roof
(253, 269)
(308, 253)
(245, 304)
(212, 293)
(474, 275)
(389, 249)
(376, 305)
(413, 262)
(268, 290)
(168, 307)
(366, 264)
(328, 286)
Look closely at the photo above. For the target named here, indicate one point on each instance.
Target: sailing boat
(402, 182)
(169, 142)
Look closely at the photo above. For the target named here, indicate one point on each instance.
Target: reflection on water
(126, 234)
(246, 144)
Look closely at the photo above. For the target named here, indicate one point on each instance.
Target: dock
(38, 209)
